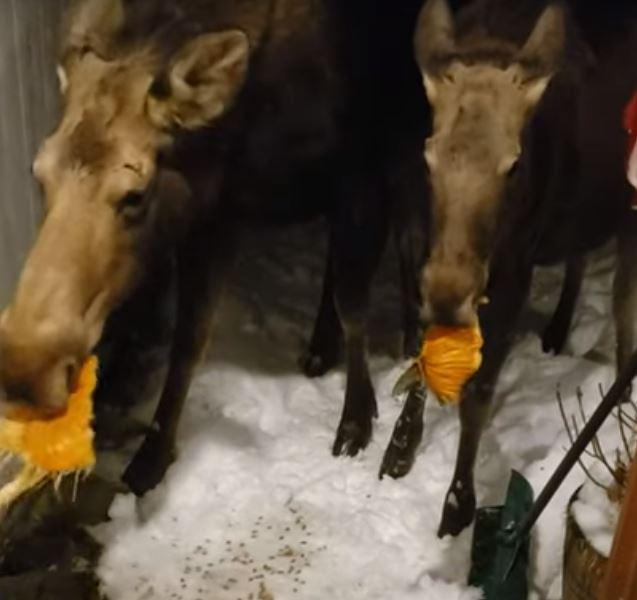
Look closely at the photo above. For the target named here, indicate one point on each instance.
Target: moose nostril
(71, 370)
(446, 316)
(451, 311)
(19, 393)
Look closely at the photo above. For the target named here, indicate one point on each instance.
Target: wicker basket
(584, 567)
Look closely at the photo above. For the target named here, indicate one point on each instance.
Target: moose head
(483, 91)
(109, 199)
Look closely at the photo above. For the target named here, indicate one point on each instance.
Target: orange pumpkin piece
(51, 448)
(449, 357)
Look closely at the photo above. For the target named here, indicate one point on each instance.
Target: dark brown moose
(526, 164)
(183, 121)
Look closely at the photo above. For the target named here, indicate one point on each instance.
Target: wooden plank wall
(28, 106)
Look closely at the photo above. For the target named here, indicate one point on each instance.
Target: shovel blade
(500, 560)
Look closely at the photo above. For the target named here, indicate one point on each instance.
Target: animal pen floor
(257, 508)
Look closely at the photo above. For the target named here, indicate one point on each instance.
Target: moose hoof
(400, 455)
(149, 465)
(396, 462)
(352, 437)
(316, 364)
(554, 338)
(458, 512)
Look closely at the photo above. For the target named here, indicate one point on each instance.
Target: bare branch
(600, 389)
(598, 451)
(622, 432)
(560, 403)
(601, 455)
(572, 436)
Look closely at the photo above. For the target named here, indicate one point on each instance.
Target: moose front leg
(201, 267)
(324, 350)
(358, 238)
(400, 454)
(508, 293)
(134, 355)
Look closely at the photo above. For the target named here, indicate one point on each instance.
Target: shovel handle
(605, 408)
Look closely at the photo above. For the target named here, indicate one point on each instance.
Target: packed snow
(257, 508)
(595, 514)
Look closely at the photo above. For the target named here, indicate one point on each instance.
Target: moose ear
(535, 88)
(201, 82)
(434, 35)
(544, 47)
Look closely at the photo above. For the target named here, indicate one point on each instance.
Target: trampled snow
(257, 508)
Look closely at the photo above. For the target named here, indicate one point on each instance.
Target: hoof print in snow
(149, 465)
(458, 512)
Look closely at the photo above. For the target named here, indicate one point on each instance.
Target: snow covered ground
(595, 514)
(257, 508)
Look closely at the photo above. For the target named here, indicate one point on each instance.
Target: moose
(185, 120)
(526, 167)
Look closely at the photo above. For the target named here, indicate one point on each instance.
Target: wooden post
(620, 582)
(28, 100)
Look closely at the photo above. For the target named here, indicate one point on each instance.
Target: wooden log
(584, 567)
(620, 582)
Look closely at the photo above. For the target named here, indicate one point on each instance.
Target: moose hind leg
(200, 270)
(556, 333)
(324, 350)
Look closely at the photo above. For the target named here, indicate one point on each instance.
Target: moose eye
(131, 200)
(132, 206)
